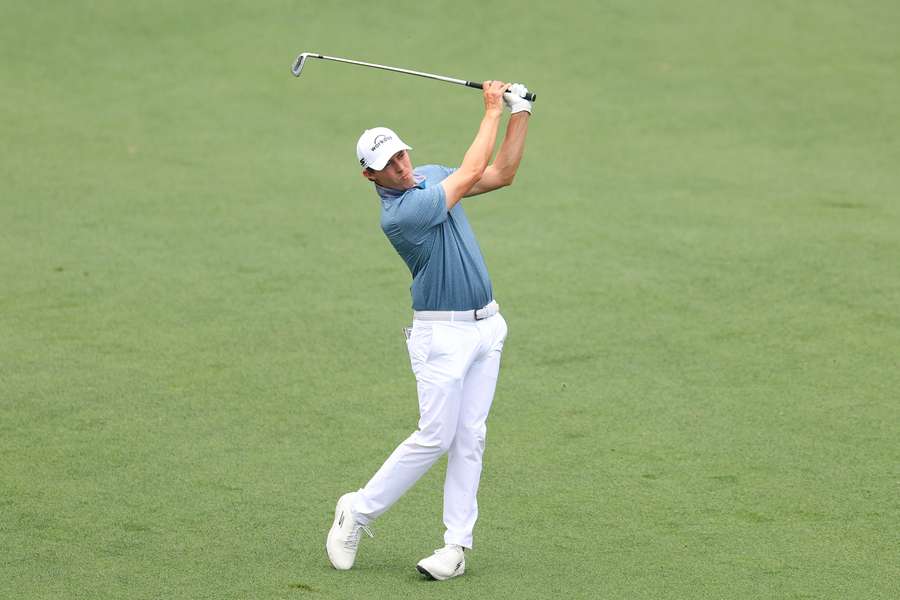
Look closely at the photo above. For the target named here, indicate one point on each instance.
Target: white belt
(491, 309)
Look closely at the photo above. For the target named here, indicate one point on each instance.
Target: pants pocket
(419, 345)
(501, 332)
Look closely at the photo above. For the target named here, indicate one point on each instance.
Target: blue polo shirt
(438, 246)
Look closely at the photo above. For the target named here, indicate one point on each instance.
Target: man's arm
(477, 157)
(502, 172)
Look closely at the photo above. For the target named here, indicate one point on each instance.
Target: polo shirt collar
(391, 194)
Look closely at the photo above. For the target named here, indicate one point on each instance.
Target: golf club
(301, 60)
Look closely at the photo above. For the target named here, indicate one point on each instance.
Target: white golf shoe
(445, 563)
(343, 538)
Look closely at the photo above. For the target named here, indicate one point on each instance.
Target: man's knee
(439, 438)
(470, 438)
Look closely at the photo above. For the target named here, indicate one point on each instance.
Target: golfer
(457, 333)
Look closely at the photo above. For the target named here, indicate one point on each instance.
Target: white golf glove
(514, 99)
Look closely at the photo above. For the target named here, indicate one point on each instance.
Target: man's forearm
(478, 156)
(513, 146)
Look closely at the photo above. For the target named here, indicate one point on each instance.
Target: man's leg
(440, 390)
(413, 457)
(465, 454)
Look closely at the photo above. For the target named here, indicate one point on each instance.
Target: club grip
(531, 97)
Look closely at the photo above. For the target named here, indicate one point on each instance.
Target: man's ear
(368, 174)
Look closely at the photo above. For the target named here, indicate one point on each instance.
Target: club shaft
(395, 69)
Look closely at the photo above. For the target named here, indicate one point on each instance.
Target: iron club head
(298, 64)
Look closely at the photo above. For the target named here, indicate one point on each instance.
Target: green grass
(200, 319)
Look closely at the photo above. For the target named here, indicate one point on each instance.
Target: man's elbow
(507, 178)
(473, 174)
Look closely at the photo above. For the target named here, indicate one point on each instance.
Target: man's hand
(515, 100)
(493, 96)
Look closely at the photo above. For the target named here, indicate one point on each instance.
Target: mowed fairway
(200, 319)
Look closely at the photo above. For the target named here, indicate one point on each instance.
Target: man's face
(397, 174)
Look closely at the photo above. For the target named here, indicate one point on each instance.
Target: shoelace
(352, 540)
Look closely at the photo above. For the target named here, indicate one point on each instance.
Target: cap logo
(380, 140)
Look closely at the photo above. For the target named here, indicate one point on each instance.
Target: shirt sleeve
(446, 171)
(420, 211)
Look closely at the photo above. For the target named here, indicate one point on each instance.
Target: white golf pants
(456, 365)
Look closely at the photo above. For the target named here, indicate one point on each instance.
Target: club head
(298, 64)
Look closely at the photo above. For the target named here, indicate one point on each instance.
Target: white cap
(376, 147)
